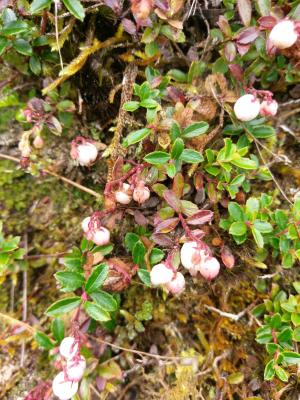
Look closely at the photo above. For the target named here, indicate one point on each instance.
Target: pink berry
(75, 368)
(161, 275)
(124, 195)
(141, 193)
(246, 107)
(283, 35)
(63, 388)
(177, 285)
(101, 236)
(268, 108)
(68, 347)
(38, 142)
(210, 268)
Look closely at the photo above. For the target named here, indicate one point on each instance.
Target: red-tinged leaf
(175, 23)
(200, 218)
(197, 233)
(237, 71)
(245, 11)
(224, 25)
(172, 200)
(270, 48)
(115, 5)
(198, 181)
(129, 26)
(141, 9)
(162, 240)
(175, 94)
(139, 218)
(230, 51)
(227, 257)
(156, 82)
(243, 48)
(267, 22)
(178, 185)
(247, 35)
(167, 225)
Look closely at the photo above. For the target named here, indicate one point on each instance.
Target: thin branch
(15, 321)
(141, 353)
(62, 178)
(234, 317)
(57, 33)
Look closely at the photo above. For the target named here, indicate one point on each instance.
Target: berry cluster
(65, 384)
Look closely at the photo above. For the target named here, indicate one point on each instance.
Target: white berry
(247, 107)
(191, 256)
(283, 35)
(85, 224)
(161, 275)
(101, 236)
(68, 347)
(141, 193)
(75, 368)
(124, 195)
(87, 154)
(63, 388)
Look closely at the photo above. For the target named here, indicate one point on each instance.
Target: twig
(62, 178)
(141, 353)
(24, 311)
(57, 33)
(234, 317)
(15, 321)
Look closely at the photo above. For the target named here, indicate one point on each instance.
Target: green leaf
(104, 250)
(136, 136)
(262, 226)
(171, 170)
(38, 5)
(269, 372)
(144, 276)
(295, 318)
(138, 254)
(44, 341)
(35, 65)
(194, 130)
(131, 106)
(63, 306)
(296, 334)
(244, 163)
(75, 8)
(259, 240)
(22, 47)
(14, 28)
(104, 300)
(238, 228)
(262, 131)
(3, 44)
(252, 207)
(97, 278)
(264, 7)
(236, 211)
(130, 240)
(281, 373)
(156, 256)
(149, 103)
(291, 357)
(191, 156)
(96, 312)
(157, 157)
(58, 329)
(69, 280)
(177, 149)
